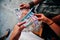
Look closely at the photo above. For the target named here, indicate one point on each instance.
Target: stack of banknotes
(30, 19)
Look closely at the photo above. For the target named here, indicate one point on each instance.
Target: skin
(17, 31)
(53, 26)
(27, 6)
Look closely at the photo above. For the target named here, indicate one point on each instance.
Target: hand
(24, 6)
(41, 17)
(17, 31)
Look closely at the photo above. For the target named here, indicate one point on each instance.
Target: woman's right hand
(24, 6)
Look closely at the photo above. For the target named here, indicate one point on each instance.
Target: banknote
(30, 19)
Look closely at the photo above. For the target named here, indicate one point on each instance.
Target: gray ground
(7, 14)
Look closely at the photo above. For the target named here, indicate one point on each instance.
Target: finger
(21, 5)
(21, 28)
(21, 23)
(38, 15)
(39, 19)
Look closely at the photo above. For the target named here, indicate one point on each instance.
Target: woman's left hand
(17, 31)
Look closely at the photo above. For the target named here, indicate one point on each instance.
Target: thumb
(22, 4)
(39, 19)
(21, 23)
(38, 15)
(22, 27)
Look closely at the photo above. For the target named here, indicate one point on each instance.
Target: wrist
(49, 21)
(31, 4)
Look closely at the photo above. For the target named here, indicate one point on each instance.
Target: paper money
(30, 19)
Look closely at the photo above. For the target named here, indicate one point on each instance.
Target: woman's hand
(43, 18)
(24, 6)
(17, 31)
(50, 22)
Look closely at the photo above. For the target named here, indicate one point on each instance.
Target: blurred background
(7, 14)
